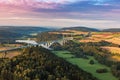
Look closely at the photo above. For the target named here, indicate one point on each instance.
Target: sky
(60, 13)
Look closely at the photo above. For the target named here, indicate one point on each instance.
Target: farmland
(84, 64)
(10, 54)
(102, 47)
(115, 51)
(107, 36)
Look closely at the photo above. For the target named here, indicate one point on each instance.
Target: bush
(104, 70)
(92, 62)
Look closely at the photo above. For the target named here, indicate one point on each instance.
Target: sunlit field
(9, 54)
(107, 36)
(115, 51)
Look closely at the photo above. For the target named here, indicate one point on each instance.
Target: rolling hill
(81, 28)
(112, 30)
(17, 32)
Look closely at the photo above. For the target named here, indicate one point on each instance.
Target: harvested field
(10, 54)
(113, 50)
(115, 58)
(114, 40)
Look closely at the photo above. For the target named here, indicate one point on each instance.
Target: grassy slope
(84, 64)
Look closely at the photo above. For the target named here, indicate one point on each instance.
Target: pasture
(84, 64)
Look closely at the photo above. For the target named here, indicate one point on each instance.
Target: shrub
(104, 70)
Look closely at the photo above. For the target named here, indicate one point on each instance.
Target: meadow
(84, 64)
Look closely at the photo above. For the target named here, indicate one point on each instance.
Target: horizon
(100, 14)
(59, 27)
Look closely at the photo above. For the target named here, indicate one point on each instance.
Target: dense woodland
(82, 50)
(37, 63)
(46, 36)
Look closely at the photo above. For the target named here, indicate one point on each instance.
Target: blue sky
(61, 13)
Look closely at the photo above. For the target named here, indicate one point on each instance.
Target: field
(115, 58)
(9, 54)
(113, 50)
(115, 40)
(8, 46)
(112, 37)
(84, 64)
(107, 36)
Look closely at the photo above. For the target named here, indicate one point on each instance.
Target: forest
(46, 36)
(82, 50)
(37, 63)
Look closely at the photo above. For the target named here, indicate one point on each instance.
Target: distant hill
(112, 30)
(16, 32)
(8, 34)
(81, 28)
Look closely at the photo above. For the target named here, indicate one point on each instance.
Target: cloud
(61, 5)
(60, 9)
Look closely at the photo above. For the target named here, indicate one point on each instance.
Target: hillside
(8, 34)
(81, 28)
(37, 63)
(112, 30)
(16, 32)
(45, 36)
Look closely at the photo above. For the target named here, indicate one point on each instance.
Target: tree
(91, 62)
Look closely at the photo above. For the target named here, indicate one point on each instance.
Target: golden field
(115, 58)
(113, 37)
(115, 51)
(106, 36)
(10, 54)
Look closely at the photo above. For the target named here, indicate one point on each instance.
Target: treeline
(82, 50)
(46, 36)
(37, 63)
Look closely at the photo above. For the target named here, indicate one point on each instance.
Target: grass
(84, 64)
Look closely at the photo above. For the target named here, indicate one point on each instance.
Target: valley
(96, 53)
(59, 39)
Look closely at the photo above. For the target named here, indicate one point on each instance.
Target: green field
(84, 64)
